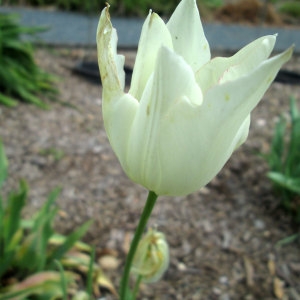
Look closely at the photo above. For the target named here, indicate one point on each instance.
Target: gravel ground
(222, 239)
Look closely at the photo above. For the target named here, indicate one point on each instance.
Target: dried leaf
(127, 241)
(104, 282)
(272, 267)
(107, 251)
(278, 288)
(249, 272)
(39, 283)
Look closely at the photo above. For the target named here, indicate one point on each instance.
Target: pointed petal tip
(287, 54)
(291, 48)
(153, 17)
(104, 24)
(187, 34)
(269, 41)
(110, 63)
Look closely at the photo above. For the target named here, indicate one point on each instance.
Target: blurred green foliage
(141, 7)
(118, 7)
(20, 78)
(284, 160)
(291, 8)
(36, 263)
(56, 154)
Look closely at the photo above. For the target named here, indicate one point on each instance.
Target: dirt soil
(223, 238)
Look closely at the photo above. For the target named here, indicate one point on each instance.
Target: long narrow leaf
(13, 210)
(60, 251)
(90, 274)
(3, 164)
(20, 78)
(7, 101)
(63, 280)
(292, 184)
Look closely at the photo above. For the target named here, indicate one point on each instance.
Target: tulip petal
(206, 134)
(118, 108)
(238, 98)
(227, 106)
(111, 65)
(242, 133)
(222, 69)
(172, 84)
(118, 116)
(154, 35)
(187, 34)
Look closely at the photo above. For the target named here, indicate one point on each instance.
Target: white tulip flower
(184, 114)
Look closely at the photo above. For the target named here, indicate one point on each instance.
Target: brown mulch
(222, 239)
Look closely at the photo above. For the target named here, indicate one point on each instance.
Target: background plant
(120, 7)
(284, 160)
(141, 7)
(20, 77)
(38, 263)
(291, 8)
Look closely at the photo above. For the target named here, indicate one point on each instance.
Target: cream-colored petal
(242, 133)
(194, 144)
(118, 108)
(188, 36)
(118, 115)
(222, 69)
(155, 128)
(234, 100)
(111, 65)
(154, 35)
(226, 107)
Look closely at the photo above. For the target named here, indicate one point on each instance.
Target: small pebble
(259, 224)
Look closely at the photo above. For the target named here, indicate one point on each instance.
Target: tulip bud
(152, 257)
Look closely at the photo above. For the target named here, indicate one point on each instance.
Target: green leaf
(20, 78)
(277, 146)
(40, 284)
(3, 165)
(284, 160)
(37, 240)
(288, 240)
(7, 101)
(90, 273)
(13, 210)
(293, 154)
(6, 261)
(292, 184)
(70, 241)
(43, 228)
(62, 280)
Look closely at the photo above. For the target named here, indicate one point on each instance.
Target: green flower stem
(151, 200)
(136, 287)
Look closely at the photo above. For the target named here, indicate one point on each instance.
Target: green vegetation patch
(20, 78)
(284, 160)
